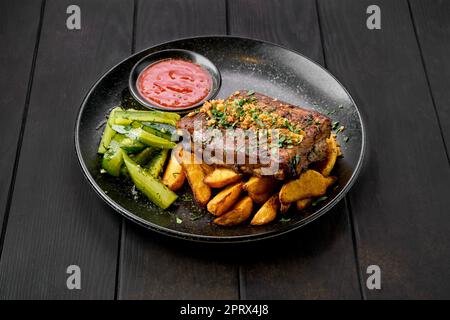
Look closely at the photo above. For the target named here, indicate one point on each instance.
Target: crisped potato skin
(225, 199)
(310, 184)
(174, 175)
(240, 212)
(221, 177)
(284, 207)
(268, 212)
(304, 203)
(259, 185)
(260, 197)
(207, 168)
(195, 176)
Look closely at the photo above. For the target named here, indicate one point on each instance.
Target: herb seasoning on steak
(302, 133)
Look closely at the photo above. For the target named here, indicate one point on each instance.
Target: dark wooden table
(397, 216)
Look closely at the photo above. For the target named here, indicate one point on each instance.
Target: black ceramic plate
(243, 64)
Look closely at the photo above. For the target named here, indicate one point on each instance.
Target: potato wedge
(284, 207)
(174, 175)
(310, 184)
(240, 212)
(259, 185)
(260, 197)
(186, 157)
(267, 212)
(326, 166)
(221, 177)
(207, 168)
(195, 176)
(302, 204)
(225, 199)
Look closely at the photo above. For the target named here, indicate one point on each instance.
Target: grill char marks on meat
(302, 138)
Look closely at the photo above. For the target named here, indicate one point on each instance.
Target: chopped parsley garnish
(294, 162)
(240, 102)
(281, 140)
(335, 125)
(196, 217)
(340, 129)
(240, 111)
(285, 219)
(290, 127)
(179, 221)
(309, 120)
(317, 201)
(259, 123)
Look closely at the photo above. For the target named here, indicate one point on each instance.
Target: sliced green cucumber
(157, 192)
(131, 145)
(156, 164)
(141, 159)
(122, 121)
(108, 133)
(128, 116)
(124, 171)
(145, 137)
(144, 156)
(160, 129)
(112, 159)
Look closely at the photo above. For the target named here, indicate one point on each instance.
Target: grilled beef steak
(302, 133)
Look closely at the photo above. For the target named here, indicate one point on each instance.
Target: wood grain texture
(316, 262)
(18, 20)
(290, 23)
(153, 267)
(432, 24)
(400, 203)
(56, 219)
(160, 21)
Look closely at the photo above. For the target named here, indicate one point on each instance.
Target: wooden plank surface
(56, 219)
(289, 23)
(400, 203)
(151, 266)
(432, 22)
(316, 262)
(19, 24)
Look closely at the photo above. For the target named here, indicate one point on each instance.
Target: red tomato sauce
(174, 83)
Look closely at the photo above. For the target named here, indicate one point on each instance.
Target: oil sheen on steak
(315, 128)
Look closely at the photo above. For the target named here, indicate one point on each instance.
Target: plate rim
(207, 238)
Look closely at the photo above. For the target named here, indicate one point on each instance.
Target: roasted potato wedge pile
(310, 184)
(221, 177)
(240, 212)
(195, 176)
(232, 200)
(225, 199)
(267, 212)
